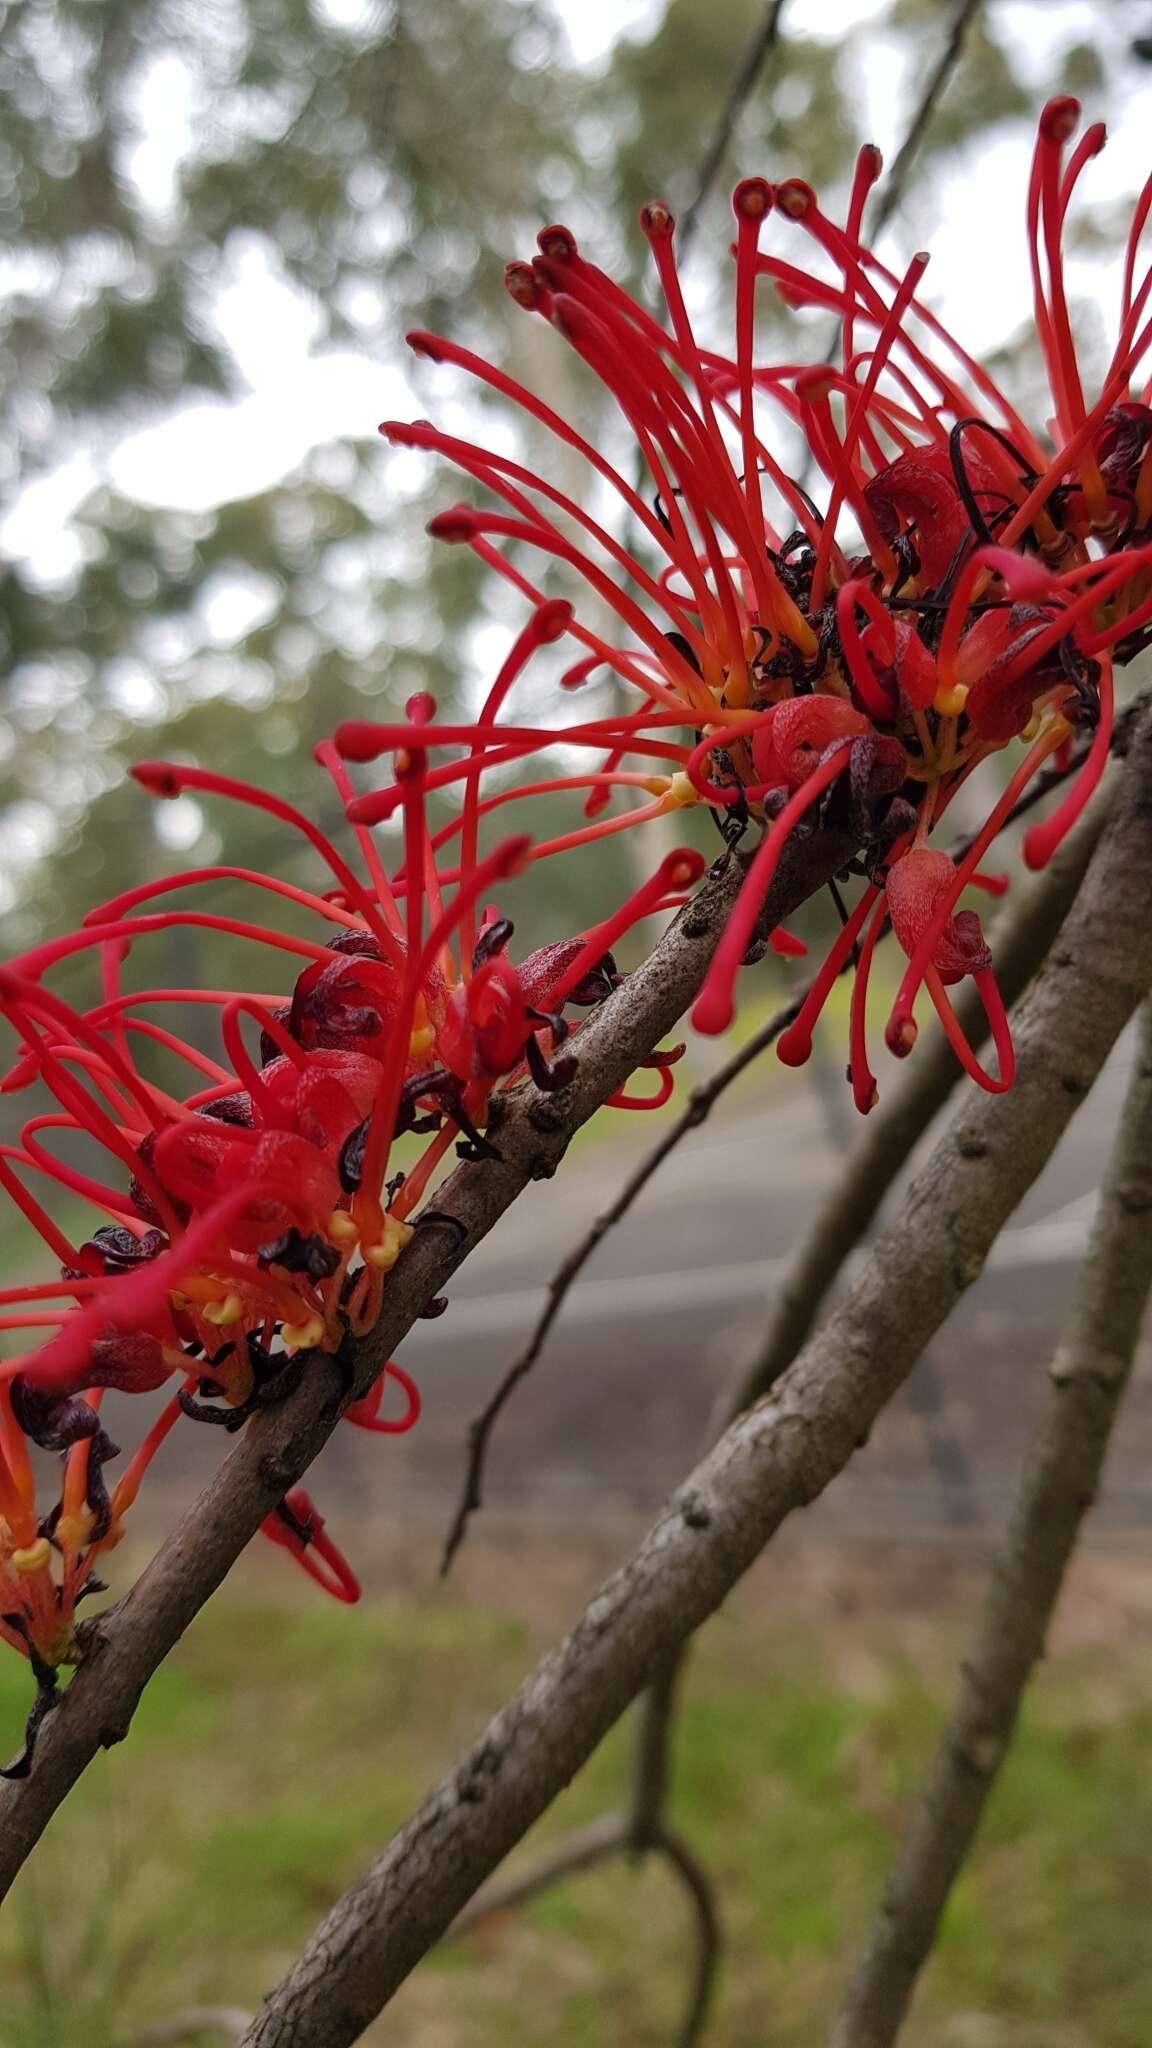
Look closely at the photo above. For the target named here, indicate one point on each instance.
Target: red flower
(967, 582)
(256, 1218)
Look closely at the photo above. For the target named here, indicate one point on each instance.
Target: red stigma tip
(420, 707)
(159, 778)
(683, 867)
(712, 1013)
(752, 199)
(657, 220)
(424, 344)
(794, 1047)
(575, 677)
(522, 284)
(1039, 844)
(900, 1034)
(872, 157)
(558, 243)
(457, 525)
(1059, 118)
(795, 198)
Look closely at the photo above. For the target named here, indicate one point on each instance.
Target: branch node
(550, 1114)
(695, 1511)
(971, 1147)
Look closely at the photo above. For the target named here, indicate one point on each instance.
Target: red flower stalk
(969, 582)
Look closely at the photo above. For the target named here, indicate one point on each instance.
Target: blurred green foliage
(189, 1865)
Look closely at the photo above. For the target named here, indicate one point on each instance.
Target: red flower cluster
(254, 1221)
(970, 582)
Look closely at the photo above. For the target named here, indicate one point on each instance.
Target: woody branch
(1087, 1383)
(1022, 938)
(777, 1457)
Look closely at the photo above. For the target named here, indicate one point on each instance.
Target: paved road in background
(615, 1409)
(614, 1412)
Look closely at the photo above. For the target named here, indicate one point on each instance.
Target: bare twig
(760, 46)
(893, 190)
(698, 1889)
(1088, 1379)
(775, 1458)
(581, 1850)
(696, 1108)
(610, 1836)
(124, 1646)
(651, 1771)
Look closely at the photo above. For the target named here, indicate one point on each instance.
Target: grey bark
(777, 1457)
(1087, 1384)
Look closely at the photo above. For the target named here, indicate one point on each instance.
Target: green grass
(283, 1744)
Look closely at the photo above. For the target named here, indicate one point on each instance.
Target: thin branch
(776, 1458)
(893, 191)
(124, 1647)
(698, 1890)
(748, 72)
(651, 1769)
(583, 1849)
(652, 1758)
(696, 1108)
(1088, 1380)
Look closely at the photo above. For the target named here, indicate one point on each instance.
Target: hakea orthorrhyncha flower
(254, 1220)
(969, 582)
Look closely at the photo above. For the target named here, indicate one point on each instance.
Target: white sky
(301, 396)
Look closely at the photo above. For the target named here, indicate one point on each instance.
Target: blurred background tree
(219, 224)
